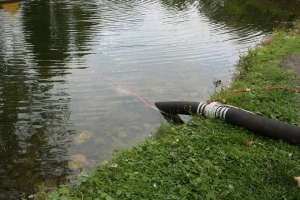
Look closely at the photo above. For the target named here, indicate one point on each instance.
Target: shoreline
(207, 158)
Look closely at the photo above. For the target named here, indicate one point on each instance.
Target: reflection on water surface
(76, 78)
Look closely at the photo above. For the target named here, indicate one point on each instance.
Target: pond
(79, 79)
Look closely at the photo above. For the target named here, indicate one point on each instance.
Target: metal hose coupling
(212, 110)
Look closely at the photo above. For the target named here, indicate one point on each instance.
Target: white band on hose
(199, 106)
(222, 113)
(212, 110)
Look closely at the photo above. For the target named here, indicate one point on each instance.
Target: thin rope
(264, 88)
(129, 90)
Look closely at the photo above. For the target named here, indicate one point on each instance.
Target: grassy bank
(207, 158)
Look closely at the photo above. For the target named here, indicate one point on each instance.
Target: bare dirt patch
(292, 62)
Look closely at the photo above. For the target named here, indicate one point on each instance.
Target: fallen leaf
(298, 180)
(249, 143)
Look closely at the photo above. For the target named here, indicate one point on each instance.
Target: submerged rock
(77, 161)
(285, 26)
(99, 141)
(147, 126)
(47, 186)
(83, 136)
(122, 134)
(122, 91)
(158, 89)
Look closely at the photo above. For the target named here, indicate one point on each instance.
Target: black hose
(241, 118)
(263, 125)
(178, 107)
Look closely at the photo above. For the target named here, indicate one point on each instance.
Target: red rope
(126, 88)
(264, 88)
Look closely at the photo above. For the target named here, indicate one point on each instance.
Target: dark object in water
(284, 26)
(237, 117)
(173, 119)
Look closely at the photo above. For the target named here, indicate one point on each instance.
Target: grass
(207, 158)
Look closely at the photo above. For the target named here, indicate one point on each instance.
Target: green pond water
(79, 78)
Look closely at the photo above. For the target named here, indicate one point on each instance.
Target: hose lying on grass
(237, 117)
